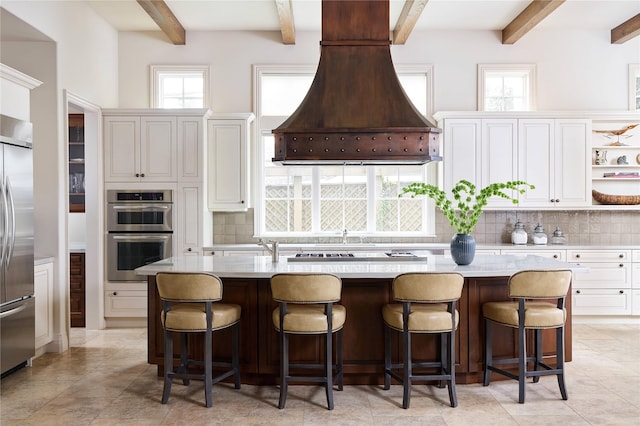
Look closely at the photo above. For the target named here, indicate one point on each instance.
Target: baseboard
(593, 319)
(125, 322)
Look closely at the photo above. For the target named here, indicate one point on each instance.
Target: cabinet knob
(552, 200)
(142, 175)
(578, 291)
(115, 293)
(621, 265)
(555, 256)
(557, 200)
(137, 174)
(578, 256)
(242, 202)
(621, 255)
(621, 291)
(189, 249)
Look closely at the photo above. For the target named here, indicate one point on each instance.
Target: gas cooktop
(362, 257)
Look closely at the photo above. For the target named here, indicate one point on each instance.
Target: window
(325, 200)
(506, 87)
(177, 86)
(634, 87)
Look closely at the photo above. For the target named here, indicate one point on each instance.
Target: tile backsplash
(494, 227)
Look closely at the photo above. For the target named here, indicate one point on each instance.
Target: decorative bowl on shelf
(615, 199)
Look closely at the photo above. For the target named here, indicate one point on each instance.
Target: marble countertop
(263, 267)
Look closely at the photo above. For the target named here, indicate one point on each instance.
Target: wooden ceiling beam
(166, 20)
(531, 16)
(287, 27)
(626, 31)
(408, 17)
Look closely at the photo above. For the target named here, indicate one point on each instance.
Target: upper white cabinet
(228, 159)
(140, 148)
(553, 156)
(550, 153)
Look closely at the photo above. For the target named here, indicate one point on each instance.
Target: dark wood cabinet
(77, 304)
(76, 163)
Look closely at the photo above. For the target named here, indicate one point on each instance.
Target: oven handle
(141, 237)
(139, 206)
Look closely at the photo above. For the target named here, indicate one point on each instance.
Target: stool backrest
(306, 288)
(540, 284)
(428, 287)
(188, 287)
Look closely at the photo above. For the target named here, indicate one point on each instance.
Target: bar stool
(307, 305)
(428, 306)
(188, 307)
(528, 312)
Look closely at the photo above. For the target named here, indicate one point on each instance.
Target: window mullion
(315, 199)
(371, 199)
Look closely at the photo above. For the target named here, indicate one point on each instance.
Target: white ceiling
(207, 15)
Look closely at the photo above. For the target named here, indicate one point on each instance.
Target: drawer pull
(555, 256)
(621, 292)
(621, 265)
(578, 291)
(621, 256)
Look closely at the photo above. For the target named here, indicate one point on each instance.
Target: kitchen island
(366, 288)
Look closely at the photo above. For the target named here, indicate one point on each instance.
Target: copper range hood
(356, 111)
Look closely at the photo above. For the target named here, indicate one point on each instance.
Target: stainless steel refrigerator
(17, 301)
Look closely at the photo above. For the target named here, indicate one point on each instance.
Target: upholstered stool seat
(428, 306)
(529, 288)
(190, 305)
(307, 304)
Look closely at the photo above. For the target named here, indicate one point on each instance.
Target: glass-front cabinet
(76, 163)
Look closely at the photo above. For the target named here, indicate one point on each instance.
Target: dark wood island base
(363, 332)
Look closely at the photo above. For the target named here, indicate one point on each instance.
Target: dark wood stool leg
(451, 362)
(538, 354)
(284, 368)
(488, 351)
(328, 368)
(407, 370)
(168, 365)
(443, 359)
(522, 362)
(208, 370)
(560, 361)
(184, 357)
(340, 361)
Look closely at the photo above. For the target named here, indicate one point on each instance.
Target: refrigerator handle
(5, 217)
(13, 311)
(11, 208)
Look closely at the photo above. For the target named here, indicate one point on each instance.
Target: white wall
(577, 70)
(80, 57)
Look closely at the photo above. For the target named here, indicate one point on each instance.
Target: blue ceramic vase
(463, 248)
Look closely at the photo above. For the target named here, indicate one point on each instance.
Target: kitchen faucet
(273, 250)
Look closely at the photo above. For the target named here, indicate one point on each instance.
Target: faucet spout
(273, 250)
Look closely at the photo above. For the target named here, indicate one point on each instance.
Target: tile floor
(104, 380)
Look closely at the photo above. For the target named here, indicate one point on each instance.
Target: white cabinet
(605, 289)
(140, 148)
(195, 227)
(482, 151)
(125, 303)
(635, 282)
(228, 158)
(43, 290)
(546, 253)
(552, 155)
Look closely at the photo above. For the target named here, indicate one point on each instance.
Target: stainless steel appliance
(140, 231)
(17, 300)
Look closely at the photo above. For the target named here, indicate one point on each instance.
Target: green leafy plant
(464, 210)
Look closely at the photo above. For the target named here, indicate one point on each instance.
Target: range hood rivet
(390, 150)
(405, 138)
(358, 150)
(326, 138)
(342, 150)
(421, 138)
(388, 137)
(405, 150)
(374, 150)
(310, 138)
(341, 138)
(326, 150)
(310, 150)
(357, 138)
(295, 150)
(373, 138)
(295, 138)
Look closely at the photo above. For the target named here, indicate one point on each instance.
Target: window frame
(266, 123)
(155, 71)
(634, 76)
(484, 69)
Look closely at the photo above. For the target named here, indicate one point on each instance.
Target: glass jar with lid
(539, 237)
(519, 235)
(558, 237)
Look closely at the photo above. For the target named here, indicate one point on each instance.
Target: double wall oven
(139, 231)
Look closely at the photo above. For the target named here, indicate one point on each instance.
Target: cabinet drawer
(635, 256)
(548, 254)
(125, 304)
(635, 302)
(603, 275)
(598, 255)
(601, 302)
